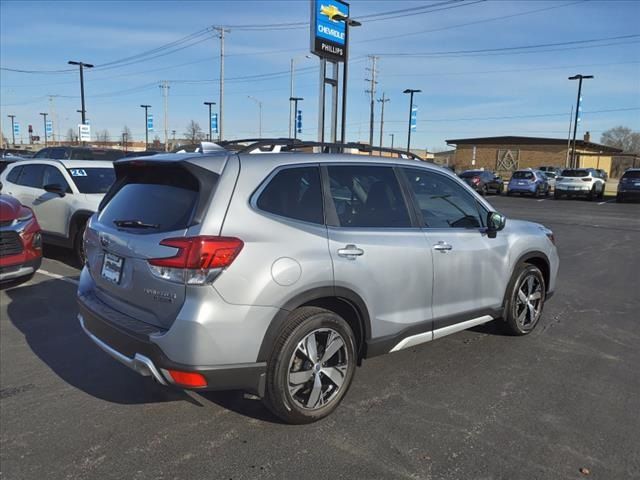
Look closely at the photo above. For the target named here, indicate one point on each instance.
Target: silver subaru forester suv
(278, 274)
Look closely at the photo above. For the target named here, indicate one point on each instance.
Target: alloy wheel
(528, 304)
(318, 368)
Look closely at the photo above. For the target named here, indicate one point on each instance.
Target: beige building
(507, 154)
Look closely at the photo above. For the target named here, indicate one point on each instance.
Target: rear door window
(294, 193)
(57, 153)
(14, 174)
(368, 196)
(31, 176)
(161, 198)
(92, 180)
(523, 175)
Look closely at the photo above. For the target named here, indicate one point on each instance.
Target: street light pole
(13, 131)
(392, 138)
(82, 65)
(295, 101)
(209, 104)
(578, 77)
(259, 113)
(349, 22)
(44, 123)
(411, 92)
(382, 100)
(146, 126)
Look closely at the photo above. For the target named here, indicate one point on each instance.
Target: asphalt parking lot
(475, 405)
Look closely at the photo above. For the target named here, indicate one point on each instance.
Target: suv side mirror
(55, 188)
(495, 222)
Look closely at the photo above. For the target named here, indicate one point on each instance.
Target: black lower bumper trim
(247, 377)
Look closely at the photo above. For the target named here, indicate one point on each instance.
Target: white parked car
(579, 182)
(62, 193)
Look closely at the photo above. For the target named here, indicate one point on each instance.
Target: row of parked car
(568, 182)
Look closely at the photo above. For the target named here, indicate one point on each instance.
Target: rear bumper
(522, 189)
(15, 271)
(138, 352)
(578, 193)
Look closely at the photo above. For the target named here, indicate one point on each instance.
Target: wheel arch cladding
(78, 218)
(343, 302)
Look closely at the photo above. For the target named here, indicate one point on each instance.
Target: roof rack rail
(275, 145)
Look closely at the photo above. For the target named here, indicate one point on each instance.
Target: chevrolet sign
(328, 29)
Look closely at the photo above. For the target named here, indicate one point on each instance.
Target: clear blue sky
(464, 94)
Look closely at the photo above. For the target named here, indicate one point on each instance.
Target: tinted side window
(31, 176)
(58, 153)
(368, 196)
(294, 193)
(53, 176)
(14, 174)
(44, 153)
(443, 202)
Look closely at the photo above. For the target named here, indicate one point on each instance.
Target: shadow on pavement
(236, 401)
(45, 313)
(64, 255)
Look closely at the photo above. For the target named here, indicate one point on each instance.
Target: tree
(71, 135)
(126, 132)
(194, 133)
(623, 138)
(103, 136)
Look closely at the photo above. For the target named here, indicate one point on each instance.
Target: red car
(20, 242)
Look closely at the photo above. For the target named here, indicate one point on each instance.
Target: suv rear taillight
(475, 180)
(198, 260)
(587, 179)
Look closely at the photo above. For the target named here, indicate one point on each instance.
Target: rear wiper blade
(135, 224)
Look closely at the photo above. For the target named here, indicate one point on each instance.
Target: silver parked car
(278, 274)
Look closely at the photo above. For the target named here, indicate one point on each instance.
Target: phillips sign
(328, 29)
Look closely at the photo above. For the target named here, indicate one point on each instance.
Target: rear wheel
(601, 194)
(592, 194)
(78, 245)
(525, 300)
(619, 198)
(484, 191)
(311, 367)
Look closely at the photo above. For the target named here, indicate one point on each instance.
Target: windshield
(634, 174)
(550, 174)
(92, 180)
(523, 175)
(575, 173)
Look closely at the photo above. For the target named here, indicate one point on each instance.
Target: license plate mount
(112, 268)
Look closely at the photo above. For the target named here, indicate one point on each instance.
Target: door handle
(350, 251)
(442, 247)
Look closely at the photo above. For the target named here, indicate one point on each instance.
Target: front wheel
(619, 198)
(525, 300)
(311, 367)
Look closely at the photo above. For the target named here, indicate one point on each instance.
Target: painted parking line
(58, 277)
(608, 201)
(541, 200)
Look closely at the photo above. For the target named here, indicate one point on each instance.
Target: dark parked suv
(80, 153)
(483, 181)
(629, 186)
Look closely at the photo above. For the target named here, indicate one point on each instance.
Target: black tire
(509, 193)
(601, 194)
(500, 189)
(78, 245)
(619, 198)
(537, 192)
(483, 190)
(286, 357)
(515, 324)
(592, 194)
(556, 195)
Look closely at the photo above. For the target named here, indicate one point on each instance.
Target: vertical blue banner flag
(299, 121)
(49, 128)
(16, 128)
(214, 122)
(150, 122)
(579, 109)
(414, 118)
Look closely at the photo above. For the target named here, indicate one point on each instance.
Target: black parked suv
(629, 185)
(80, 153)
(483, 181)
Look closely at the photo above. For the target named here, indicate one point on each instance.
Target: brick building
(506, 154)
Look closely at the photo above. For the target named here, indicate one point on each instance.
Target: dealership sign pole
(329, 41)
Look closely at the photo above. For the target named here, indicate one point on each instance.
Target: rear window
(92, 180)
(634, 174)
(575, 173)
(523, 175)
(164, 197)
(470, 174)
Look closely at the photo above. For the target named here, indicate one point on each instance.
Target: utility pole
(221, 31)
(259, 114)
(295, 101)
(372, 92)
(411, 92)
(13, 131)
(209, 104)
(392, 138)
(165, 93)
(173, 135)
(578, 77)
(382, 100)
(124, 141)
(146, 126)
(82, 66)
(54, 119)
(44, 124)
(566, 161)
